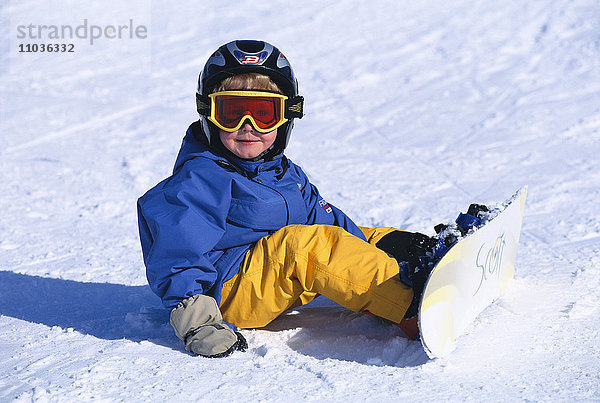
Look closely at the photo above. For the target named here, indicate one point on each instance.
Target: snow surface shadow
(321, 329)
(325, 330)
(104, 310)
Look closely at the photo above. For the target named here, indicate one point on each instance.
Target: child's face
(246, 142)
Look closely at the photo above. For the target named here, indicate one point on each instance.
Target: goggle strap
(294, 107)
(203, 104)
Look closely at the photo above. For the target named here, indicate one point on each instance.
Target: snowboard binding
(421, 252)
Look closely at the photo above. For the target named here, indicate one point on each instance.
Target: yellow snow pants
(299, 262)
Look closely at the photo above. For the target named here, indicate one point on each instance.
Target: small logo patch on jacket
(325, 206)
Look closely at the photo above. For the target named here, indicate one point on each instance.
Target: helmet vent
(250, 46)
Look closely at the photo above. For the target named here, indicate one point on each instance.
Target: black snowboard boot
(416, 256)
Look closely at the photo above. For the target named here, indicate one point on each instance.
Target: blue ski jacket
(197, 225)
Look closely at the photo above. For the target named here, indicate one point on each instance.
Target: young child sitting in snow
(237, 234)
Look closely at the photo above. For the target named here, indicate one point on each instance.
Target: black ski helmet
(250, 56)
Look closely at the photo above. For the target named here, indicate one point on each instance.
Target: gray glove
(198, 322)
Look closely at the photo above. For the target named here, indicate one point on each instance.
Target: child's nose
(247, 127)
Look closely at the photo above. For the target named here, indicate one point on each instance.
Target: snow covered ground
(413, 111)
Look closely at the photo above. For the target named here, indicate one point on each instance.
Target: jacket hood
(195, 145)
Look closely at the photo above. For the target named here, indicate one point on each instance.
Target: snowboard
(473, 273)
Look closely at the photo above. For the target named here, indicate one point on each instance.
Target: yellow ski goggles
(266, 111)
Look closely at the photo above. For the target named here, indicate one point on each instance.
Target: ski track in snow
(413, 111)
